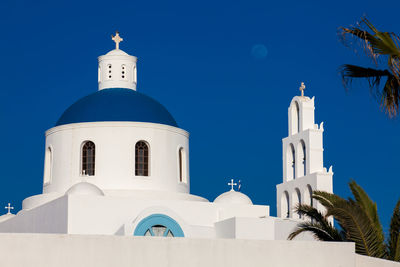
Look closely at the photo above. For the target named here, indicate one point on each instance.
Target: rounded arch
(290, 163)
(308, 195)
(182, 163)
(48, 165)
(301, 159)
(158, 225)
(285, 205)
(295, 117)
(296, 200)
(142, 158)
(88, 158)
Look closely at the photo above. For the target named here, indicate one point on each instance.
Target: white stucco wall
(36, 250)
(119, 215)
(364, 261)
(115, 156)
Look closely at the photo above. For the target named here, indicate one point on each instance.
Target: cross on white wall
(117, 39)
(9, 208)
(302, 87)
(232, 184)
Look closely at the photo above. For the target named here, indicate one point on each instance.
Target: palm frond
(373, 76)
(358, 228)
(376, 44)
(369, 207)
(383, 43)
(327, 199)
(394, 235)
(315, 229)
(317, 218)
(391, 95)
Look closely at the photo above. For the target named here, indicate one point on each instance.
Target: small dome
(5, 217)
(233, 197)
(117, 104)
(84, 188)
(117, 52)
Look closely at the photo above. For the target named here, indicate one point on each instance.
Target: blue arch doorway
(158, 225)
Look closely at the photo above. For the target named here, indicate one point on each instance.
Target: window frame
(136, 169)
(82, 162)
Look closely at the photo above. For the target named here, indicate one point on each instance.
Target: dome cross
(232, 184)
(9, 208)
(302, 88)
(117, 39)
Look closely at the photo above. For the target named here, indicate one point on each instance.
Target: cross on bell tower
(117, 39)
(302, 88)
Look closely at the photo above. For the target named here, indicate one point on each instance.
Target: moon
(259, 51)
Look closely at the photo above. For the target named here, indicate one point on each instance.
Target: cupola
(117, 69)
(233, 197)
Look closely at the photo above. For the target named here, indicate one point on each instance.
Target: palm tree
(358, 220)
(377, 45)
(319, 225)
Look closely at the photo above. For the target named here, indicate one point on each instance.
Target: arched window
(158, 225)
(88, 158)
(304, 158)
(298, 117)
(310, 192)
(301, 149)
(307, 195)
(296, 199)
(291, 163)
(48, 162)
(285, 205)
(99, 74)
(295, 118)
(182, 166)
(141, 159)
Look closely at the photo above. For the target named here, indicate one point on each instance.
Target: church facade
(120, 151)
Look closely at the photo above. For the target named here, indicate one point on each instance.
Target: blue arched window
(158, 225)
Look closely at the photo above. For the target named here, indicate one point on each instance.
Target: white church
(116, 191)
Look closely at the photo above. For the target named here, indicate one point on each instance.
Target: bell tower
(117, 69)
(302, 154)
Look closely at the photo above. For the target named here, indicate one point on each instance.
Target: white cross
(117, 39)
(232, 184)
(302, 87)
(9, 208)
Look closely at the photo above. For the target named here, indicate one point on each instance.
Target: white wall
(115, 156)
(239, 228)
(49, 218)
(36, 250)
(119, 215)
(364, 261)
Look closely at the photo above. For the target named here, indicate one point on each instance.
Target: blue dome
(117, 104)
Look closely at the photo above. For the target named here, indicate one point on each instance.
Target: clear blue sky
(203, 61)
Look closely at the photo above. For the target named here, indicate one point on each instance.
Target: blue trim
(158, 219)
(117, 104)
